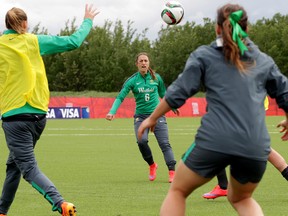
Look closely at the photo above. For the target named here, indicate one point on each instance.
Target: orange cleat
(171, 175)
(215, 193)
(68, 209)
(152, 173)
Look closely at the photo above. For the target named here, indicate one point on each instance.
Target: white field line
(126, 131)
(123, 134)
(47, 133)
(184, 131)
(171, 133)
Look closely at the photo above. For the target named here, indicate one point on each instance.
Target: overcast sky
(52, 14)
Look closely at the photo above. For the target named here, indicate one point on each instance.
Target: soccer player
(24, 96)
(147, 87)
(237, 76)
(274, 158)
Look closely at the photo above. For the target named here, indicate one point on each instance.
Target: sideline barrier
(68, 112)
(64, 112)
(91, 107)
(85, 112)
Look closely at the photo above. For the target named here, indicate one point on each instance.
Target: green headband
(238, 32)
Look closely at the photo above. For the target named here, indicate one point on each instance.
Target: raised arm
(90, 12)
(50, 44)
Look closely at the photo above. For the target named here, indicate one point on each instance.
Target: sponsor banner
(99, 107)
(64, 112)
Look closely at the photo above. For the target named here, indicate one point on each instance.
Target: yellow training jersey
(22, 73)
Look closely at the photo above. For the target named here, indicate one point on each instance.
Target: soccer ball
(172, 13)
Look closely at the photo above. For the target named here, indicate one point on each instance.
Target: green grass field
(96, 165)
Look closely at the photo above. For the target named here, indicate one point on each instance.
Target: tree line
(107, 57)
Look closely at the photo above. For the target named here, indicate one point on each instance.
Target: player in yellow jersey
(24, 96)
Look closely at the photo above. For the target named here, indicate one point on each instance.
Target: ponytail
(152, 73)
(232, 19)
(14, 20)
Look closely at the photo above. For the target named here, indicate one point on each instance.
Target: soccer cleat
(215, 193)
(152, 173)
(171, 175)
(68, 209)
(2, 214)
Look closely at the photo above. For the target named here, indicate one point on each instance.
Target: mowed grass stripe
(96, 164)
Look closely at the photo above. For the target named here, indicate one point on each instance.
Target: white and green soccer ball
(172, 13)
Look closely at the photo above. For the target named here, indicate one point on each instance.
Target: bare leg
(185, 182)
(277, 160)
(240, 197)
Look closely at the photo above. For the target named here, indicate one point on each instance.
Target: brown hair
(150, 69)
(14, 18)
(230, 48)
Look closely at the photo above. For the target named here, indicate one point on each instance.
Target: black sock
(222, 179)
(149, 160)
(285, 173)
(171, 165)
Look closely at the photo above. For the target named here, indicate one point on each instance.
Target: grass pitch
(96, 165)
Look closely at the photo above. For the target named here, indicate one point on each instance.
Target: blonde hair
(14, 19)
(150, 69)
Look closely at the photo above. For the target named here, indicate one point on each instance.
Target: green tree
(109, 60)
(175, 43)
(107, 56)
(271, 37)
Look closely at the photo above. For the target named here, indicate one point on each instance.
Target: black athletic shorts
(209, 163)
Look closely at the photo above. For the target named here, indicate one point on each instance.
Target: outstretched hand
(110, 117)
(90, 12)
(284, 125)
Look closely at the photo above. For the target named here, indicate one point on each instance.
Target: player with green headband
(237, 77)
